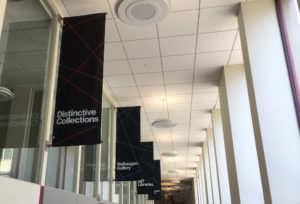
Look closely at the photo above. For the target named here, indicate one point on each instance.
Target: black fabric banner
(80, 78)
(128, 144)
(156, 194)
(146, 184)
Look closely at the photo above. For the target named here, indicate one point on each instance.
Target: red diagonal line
(80, 89)
(81, 72)
(83, 41)
(76, 135)
(84, 22)
(79, 67)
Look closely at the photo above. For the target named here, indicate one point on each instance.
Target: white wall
(13, 191)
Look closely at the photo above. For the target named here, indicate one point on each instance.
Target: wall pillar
(241, 156)
(213, 166)
(273, 111)
(218, 140)
(207, 174)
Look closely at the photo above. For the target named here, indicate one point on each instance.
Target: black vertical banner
(80, 78)
(156, 194)
(146, 184)
(128, 144)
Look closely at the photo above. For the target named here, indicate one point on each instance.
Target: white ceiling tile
(16, 41)
(132, 101)
(158, 90)
(178, 45)
(205, 97)
(237, 44)
(179, 5)
(78, 8)
(28, 60)
(120, 81)
(114, 51)
(212, 59)
(9, 24)
(40, 37)
(180, 114)
(26, 85)
(154, 116)
(116, 67)
(146, 65)
(111, 32)
(18, 77)
(218, 19)
(125, 92)
(154, 100)
(142, 48)
(149, 79)
(184, 98)
(10, 63)
(180, 132)
(179, 77)
(179, 23)
(218, 41)
(205, 120)
(37, 74)
(179, 88)
(177, 63)
(213, 3)
(183, 121)
(211, 74)
(153, 108)
(179, 107)
(236, 57)
(128, 32)
(210, 86)
(201, 113)
(203, 106)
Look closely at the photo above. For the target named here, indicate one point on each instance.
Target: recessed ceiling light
(142, 12)
(173, 171)
(170, 154)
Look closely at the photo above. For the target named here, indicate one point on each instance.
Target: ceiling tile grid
(179, 60)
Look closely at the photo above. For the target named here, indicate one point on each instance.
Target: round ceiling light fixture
(6, 94)
(173, 171)
(142, 12)
(175, 181)
(170, 154)
(164, 123)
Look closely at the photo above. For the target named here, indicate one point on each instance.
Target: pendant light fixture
(175, 181)
(164, 123)
(173, 171)
(5, 93)
(170, 153)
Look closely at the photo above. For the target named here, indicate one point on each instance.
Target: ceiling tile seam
(170, 95)
(237, 32)
(219, 6)
(62, 1)
(217, 31)
(162, 67)
(193, 88)
(131, 71)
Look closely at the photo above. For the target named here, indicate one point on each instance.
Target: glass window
(24, 53)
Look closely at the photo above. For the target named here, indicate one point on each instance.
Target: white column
(203, 181)
(2, 13)
(213, 166)
(121, 193)
(77, 169)
(128, 192)
(207, 174)
(220, 156)
(273, 111)
(241, 156)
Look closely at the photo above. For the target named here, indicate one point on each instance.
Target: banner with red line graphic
(78, 107)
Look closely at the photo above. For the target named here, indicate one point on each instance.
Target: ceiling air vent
(142, 12)
(164, 123)
(170, 154)
(173, 171)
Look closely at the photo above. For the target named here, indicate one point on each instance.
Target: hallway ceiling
(179, 60)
